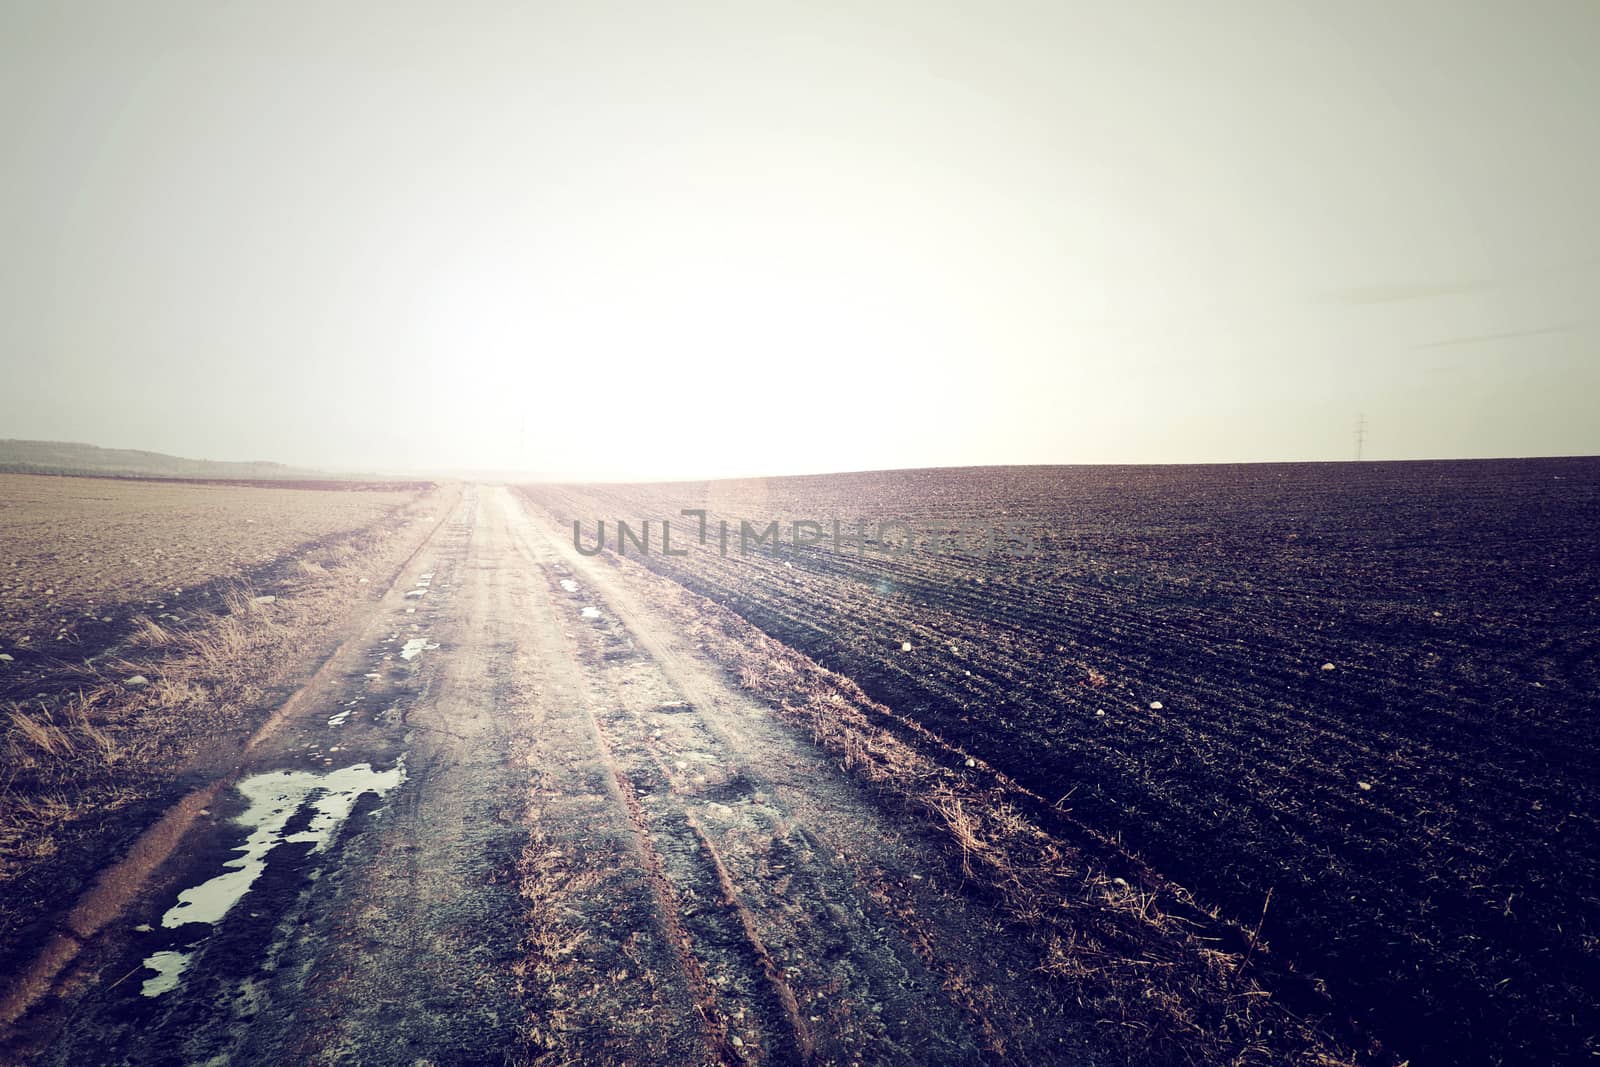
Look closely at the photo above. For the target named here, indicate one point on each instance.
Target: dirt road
(520, 819)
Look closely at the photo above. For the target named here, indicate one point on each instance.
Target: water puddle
(169, 967)
(416, 647)
(273, 799)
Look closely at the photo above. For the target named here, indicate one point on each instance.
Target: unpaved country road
(521, 819)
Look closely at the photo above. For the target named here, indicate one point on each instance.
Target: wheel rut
(790, 960)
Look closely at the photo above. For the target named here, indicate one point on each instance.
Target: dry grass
(764, 675)
(150, 634)
(548, 881)
(35, 737)
(31, 735)
(549, 954)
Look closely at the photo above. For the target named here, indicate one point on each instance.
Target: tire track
(764, 831)
(667, 858)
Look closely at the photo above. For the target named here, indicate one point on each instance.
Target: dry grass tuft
(34, 738)
(151, 634)
(37, 733)
(238, 600)
(99, 746)
(170, 693)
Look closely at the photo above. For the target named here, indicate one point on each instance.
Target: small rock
(265, 599)
(1328, 667)
(1155, 705)
(361, 581)
(1365, 787)
(136, 681)
(905, 646)
(142, 928)
(5, 657)
(735, 1041)
(1100, 713)
(971, 762)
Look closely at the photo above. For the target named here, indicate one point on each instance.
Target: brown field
(1413, 825)
(80, 549)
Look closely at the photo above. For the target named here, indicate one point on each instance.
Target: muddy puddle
(281, 807)
(424, 582)
(415, 647)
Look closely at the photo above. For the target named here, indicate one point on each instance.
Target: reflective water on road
(274, 799)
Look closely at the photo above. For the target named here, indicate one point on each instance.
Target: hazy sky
(690, 239)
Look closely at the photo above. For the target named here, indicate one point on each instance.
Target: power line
(1361, 434)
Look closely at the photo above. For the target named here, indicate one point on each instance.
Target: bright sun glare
(648, 370)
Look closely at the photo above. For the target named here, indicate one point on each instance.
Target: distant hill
(65, 457)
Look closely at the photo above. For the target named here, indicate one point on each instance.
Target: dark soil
(1423, 815)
